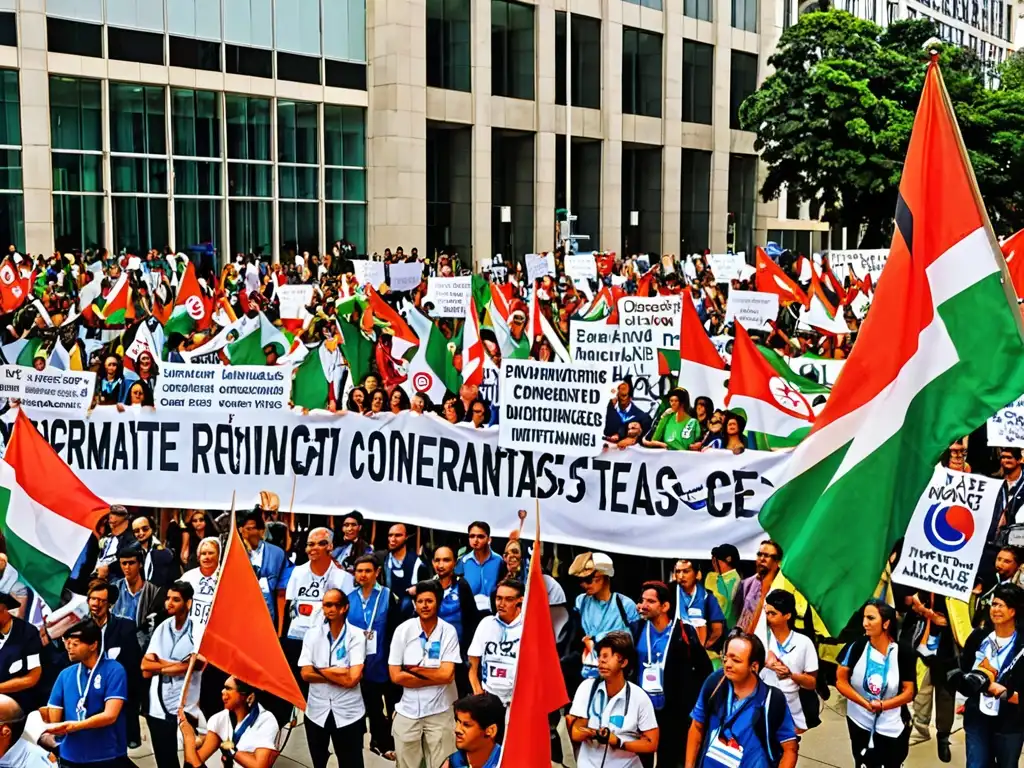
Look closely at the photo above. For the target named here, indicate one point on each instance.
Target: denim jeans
(985, 746)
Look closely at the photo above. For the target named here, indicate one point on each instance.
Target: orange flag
(771, 279)
(240, 637)
(539, 687)
(1013, 251)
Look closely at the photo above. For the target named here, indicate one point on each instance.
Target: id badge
(988, 705)
(399, 573)
(483, 603)
(723, 754)
(371, 642)
(432, 657)
(650, 680)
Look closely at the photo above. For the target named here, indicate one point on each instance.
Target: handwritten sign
(449, 295)
(864, 262)
(223, 387)
(49, 389)
(368, 272)
(581, 266)
(1006, 427)
(752, 309)
(725, 266)
(539, 265)
(294, 299)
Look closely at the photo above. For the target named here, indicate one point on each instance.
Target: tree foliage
(833, 121)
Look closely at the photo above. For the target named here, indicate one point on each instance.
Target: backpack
(768, 717)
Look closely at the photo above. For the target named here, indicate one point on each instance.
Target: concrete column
(480, 34)
(720, 126)
(611, 118)
(671, 156)
(37, 173)
(544, 151)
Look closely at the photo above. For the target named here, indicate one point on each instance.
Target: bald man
(16, 752)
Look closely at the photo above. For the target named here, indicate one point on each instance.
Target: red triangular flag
(771, 279)
(539, 687)
(240, 637)
(694, 344)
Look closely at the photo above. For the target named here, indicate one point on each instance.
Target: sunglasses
(332, 605)
(768, 555)
(587, 579)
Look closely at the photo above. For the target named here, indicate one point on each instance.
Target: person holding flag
(244, 732)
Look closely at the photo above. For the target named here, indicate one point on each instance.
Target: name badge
(483, 603)
(399, 572)
(371, 642)
(723, 754)
(651, 679)
(988, 705)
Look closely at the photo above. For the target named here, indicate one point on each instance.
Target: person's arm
(906, 695)
(844, 687)
(51, 714)
(261, 758)
(694, 741)
(196, 756)
(441, 675)
(578, 730)
(474, 674)
(790, 751)
(399, 676)
(717, 628)
(111, 711)
(645, 744)
(346, 677)
(311, 674)
(22, 683)
(153, 665)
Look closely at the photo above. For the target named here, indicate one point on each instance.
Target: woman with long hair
(244, 732)
(398, 401)
(703, 409)
(110, 381)
(735, 428)
(879, 679)
(677, 429)
(139, 394)
(358, 400)
(715, 435)
(198, 526)
(453, 410)
(377, 400)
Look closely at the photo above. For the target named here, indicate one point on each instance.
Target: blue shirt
(451, 608)
(127, 605)
(107, 681)
(700, 605)
(372, 614)
(651, 650)
(599, 618)
(742, 714)
(482, 579)
(458, 759)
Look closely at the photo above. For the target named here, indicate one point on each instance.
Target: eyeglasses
(768, 555)
(332, 605)
(587, 579)
(957, 451)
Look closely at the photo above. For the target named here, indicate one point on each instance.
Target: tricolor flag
(46, 513)
(701, 368)
(773, 405)
(472, 347)
(248, 350)
(540, 327)
(115, 307)
(318, 377)
(772, 279)
(940, 351)
(819, 313)
(1013, 251)
(498, 317)
(191, 311)
(432, 368)
(379, 312)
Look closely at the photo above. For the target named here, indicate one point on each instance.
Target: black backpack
(768, 717)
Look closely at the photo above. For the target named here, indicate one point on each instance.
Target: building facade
(280, 125)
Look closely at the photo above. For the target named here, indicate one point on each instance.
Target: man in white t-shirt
(494, 651)
(792, 661)
(424, 652)
(612, 719)
(332, 658)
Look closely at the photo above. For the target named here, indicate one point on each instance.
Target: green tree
(834, 119)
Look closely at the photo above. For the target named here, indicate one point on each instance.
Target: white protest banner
(864, 262)
(752, 309)
(223, 387)
(581, 266)
(946, 536)
(1006, 427)
(420, 469)
(723, 345)
(405, 276)
(368, 272)
(538, 265)
(623, 351)
(548, 406)
(49, 389)
(294, 299)
(725, 266)
(450, 295)
(661, 315)
(819, 369)
(490, 387)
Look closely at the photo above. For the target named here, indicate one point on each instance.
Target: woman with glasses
(878, 678)
(422, 659)
(244, 732)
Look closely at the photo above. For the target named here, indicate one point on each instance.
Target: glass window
(10, 109)
(641, 72)
(448, 46)
(140, 223)
(512, 49)
(136, 14)
(249, 22)
(195, 123)
(74, 37)
(742, 180)
(194, 54)
(191, 18)
(138, 174)
(345, 74)
(655, 4)
(742, 83)
(695, 216)
(586, 60)
(77, 222)
(12, 220)
(10, 169)
(345, 135)
(82, 10)
(298, 69)
(8, 29)
(250, 180)
(253, 62)
(197, 222)
(77, 173)
(299, 226)
(193, 177)
(248, 120)
(250, 226)
(698, 81)
(137, 119)
(297, 182)
(698, 9)
(347, 222)
(744, 15)
(76, 110)
(297, 132)
(344, 184)
(298, 29)
(344, 23)
(132, 45)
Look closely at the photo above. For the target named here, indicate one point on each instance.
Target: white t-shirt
(890, 722)
(496, 644)
(305, 592)
(202, 599)
(796, 652)
(626, 721)
(410, 648)
(171, 644)
(318, 650)
(262, 734)
(252, 277)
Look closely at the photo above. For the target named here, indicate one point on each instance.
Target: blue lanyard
(376, 604)
(733, 710)
(784, 649)
(1002, 653)
(244, 725)
(885, 670)
(334, 645)
(693, 597)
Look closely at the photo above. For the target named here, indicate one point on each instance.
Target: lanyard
(80, 708)
(784, 649)
(332, 646)
(376, 604)
(1009, 498)
(689, 605)
(1000, 653)
(650, 648)
(733, 710)
(600, 694)
(885, 671)
(185, 630)
(243, 726)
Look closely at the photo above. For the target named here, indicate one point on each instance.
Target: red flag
(240, 637)
(539, 687)
(191, 298)
(836, 283)
(1013, 252)
(13, 288)
(771, 279)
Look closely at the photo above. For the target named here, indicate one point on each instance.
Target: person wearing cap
(120, 536)
(16, 752)
(86, 705)
(724, 581)
(268, 561)
(160, 566)
(20, 666)
(119, 642)
(353, 545)
(599, 609)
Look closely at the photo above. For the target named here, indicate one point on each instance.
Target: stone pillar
(34, 87)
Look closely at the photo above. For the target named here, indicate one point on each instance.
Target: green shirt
(724, 587)
(677, 435)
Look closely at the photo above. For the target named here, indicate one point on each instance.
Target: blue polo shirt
(482, 579)
(374, 611)
(450, 609)
(738, 716)
(701, 605)
(108, 681)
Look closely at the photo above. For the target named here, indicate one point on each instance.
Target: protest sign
(946, 536)
(49, 389)
(660, 314)
(557, 407)
(821, 370)
(405, 276)
(581, 266)
(450, 295)
(368, 272)
(625, 352)
(294, 299)
(538, 265)
(752, 309)
(864, 262)
(725, 266)
(223, 387)
(490, 387)
(1006, 427)
(723, 345)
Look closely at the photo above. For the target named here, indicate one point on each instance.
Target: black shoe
(943, 746)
